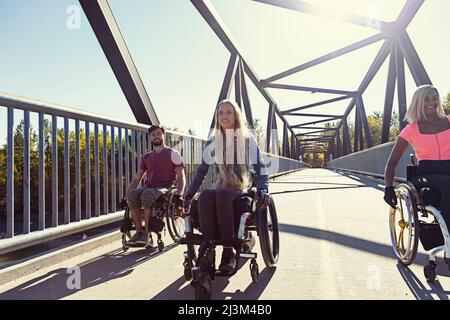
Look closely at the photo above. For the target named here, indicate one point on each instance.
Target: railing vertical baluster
(113, 170)
(26, 172)
(133, 153)
(41, 174)
(105, 171)
(77, 172)
(54, 171)
(10, 187)
(97, 172)
(138, 143)
(88, 170)
(127, 160)
(66, 172)
(120, 159)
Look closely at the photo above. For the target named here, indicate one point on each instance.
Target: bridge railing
(71, 174)
(372, 161)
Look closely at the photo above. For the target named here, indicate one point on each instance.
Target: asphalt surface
(334, 244)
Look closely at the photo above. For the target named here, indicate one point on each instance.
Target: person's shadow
(180, 290)
(60, 283)
(418, 289)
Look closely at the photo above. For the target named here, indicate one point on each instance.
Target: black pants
(436, 175)
(215, 207)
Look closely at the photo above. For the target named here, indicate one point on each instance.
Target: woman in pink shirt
(429, 135)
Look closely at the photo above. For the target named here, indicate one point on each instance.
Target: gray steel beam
(389, 96)
(107, 31)
(246, 101)
(327, 57)
(226, 84)
(346, 145)
(356, 133)
(209, 13)
(237, 85)
(373, 69)
(316, 115)
(307, 133)
(321, 128)
(308, 89)
(408, 12)
(305, 7)
(285, 141)
(365, 123)
(315, 122)
(401, 87)
(416, 67)
(288, 112)
(269, 127)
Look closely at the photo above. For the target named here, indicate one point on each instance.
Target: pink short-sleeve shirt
(427, 146)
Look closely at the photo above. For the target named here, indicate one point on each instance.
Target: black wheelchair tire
(269, 242)
(175, 234)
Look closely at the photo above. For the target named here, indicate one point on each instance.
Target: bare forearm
(181, 182)
(389, 174)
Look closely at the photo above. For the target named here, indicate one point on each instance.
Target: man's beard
(157, 142)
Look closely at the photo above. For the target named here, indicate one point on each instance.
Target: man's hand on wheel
(262, 198)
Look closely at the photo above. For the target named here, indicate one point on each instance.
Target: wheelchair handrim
(406, 204)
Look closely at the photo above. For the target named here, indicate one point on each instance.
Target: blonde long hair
(415, 111)
(227, 177)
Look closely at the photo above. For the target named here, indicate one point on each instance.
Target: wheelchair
(248, 217)
(417, 216)
(163, 208)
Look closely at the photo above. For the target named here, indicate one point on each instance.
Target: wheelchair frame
(409, 198)
(260, 220)
(162, 208)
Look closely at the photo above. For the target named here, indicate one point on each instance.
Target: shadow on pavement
(54, 284)
(176, 291)
(317, 189)
(418, 289)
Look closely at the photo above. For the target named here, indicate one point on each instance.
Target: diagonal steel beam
(210, 15)
(311, 132)
(401, 87)
(327, 57)
(309, 89)
(315, 115)
(225, 91)
(389, 95)
(373, 69)
(246, 100)
(416, 67)
(316, 104)
(314, 122)
(106, 29)
(305, 7)
(408, 12)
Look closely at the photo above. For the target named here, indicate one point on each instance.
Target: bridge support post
(401, 88)
(389, 95)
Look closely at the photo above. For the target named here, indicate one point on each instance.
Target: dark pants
(436, 175)
(215, 207)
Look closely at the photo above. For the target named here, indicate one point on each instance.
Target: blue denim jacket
(256, 159)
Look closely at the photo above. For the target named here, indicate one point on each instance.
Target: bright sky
(182, 62)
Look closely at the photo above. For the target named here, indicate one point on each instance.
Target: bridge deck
(334, 245)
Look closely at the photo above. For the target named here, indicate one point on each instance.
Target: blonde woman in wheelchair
(428, 133)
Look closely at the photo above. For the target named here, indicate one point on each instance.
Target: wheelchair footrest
(196, 239)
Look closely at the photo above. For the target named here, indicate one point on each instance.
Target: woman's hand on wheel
(262, 198)
(390, 197)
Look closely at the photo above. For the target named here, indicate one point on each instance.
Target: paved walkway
(334, 245)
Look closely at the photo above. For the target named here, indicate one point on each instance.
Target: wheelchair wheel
(175, 222)
(267, 225)
(404, 225)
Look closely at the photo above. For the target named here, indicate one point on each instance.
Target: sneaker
(136, 237)
(228, 262)
(143, 239)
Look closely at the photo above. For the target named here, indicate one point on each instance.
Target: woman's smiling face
(431, 103)
(227, 117)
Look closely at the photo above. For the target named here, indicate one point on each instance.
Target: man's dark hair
(156, 126)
